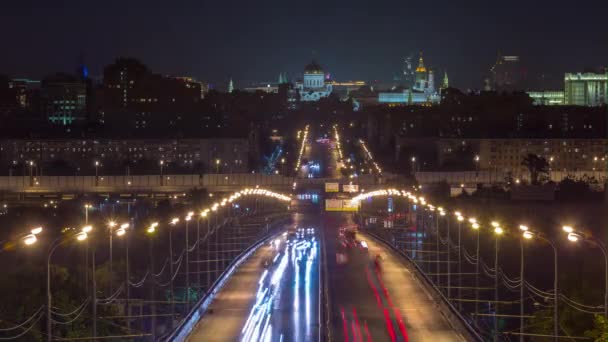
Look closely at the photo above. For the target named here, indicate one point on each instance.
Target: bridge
(157, 184)
(257, 262)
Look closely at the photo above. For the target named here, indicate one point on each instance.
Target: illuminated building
(63, 99)
(189, 153)
(130, 87)
(424, 80)
(313, 87)
(586, 89)
(547, 97)
(422, 92)
(25, 90)
(508, 74)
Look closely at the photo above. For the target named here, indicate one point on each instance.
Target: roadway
(368, 303)
(273, 302)
(379, 304)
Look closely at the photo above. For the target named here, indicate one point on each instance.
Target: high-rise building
(230, 86)
(129, 87)
(64, 99)
(408, 72)
(586, 89)
(508, 74)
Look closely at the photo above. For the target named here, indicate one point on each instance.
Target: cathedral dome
(313, 68)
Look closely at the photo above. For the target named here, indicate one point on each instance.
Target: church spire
(230, 86)
(446, 83)
(421, 67)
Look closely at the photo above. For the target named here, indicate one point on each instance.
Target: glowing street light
(152, 227)
(30, 239)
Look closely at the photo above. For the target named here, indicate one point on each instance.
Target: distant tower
(446, 83)
(431, 83)
(422, 76)
(408, 73)
(283, 78)
(230, 86)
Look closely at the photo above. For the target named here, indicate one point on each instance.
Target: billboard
(341, 205)
(333, 205)
(348, 205)
(350, 188)
(332, 187)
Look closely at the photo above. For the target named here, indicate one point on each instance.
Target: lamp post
(459, 218)
(413, 159)
(438, 268)
(475, 226)
(151, 230)
(31, 164)
(525, 235)
(173, 223)
(161, 163)
(574, 236)
(86, 213)
(217, 166)
(188, 218)
(529, 235)
(81, 236)
(111, 226)
(96, 173)
(497, 233)
(121, 231)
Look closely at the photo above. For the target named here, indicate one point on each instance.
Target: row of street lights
(525, 234)
(120, 230)
(370, 157)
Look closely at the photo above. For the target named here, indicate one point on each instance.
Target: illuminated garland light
(370, 157)
(305, 136)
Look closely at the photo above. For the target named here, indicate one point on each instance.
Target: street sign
(332, 187)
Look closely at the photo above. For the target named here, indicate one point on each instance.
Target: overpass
(157, 184)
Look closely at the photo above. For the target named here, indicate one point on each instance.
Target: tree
(599, 332)
(536, 165)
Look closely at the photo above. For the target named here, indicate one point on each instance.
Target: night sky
(255, 40)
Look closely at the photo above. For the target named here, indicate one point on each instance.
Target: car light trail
(293, 265)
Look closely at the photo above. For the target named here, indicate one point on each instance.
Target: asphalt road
(371, 303)
(278, 302)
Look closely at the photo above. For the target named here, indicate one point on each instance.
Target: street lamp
(475, 226)
(526, 235)
(96, 174)
(81, 236)
(217, 166)
(529, 235)
(86, 212)
(413, 159)
(173, 223)
(574, 237)
(498, 231)
(161, 163)
(188, 218)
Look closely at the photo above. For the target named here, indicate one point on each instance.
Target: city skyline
(246, 43)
